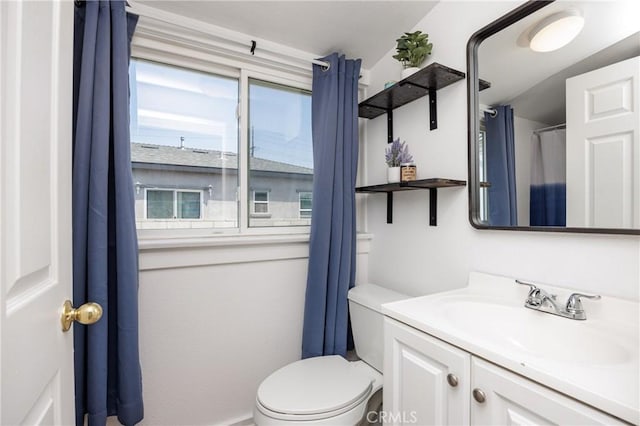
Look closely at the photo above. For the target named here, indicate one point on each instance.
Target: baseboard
(240, 421)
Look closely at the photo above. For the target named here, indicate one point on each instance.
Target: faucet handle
(532, 287)
(574, 305)
(534, 297)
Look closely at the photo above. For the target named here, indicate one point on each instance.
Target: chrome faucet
(540, 300)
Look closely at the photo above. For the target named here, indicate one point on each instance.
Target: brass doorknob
(88, 313)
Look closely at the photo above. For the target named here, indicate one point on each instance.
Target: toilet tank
(365, 301)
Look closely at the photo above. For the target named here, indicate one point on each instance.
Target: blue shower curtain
(332, 248)
(548, 194)
(501, 167)
(105, 248)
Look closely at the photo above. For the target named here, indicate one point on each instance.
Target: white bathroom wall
(215, 319)
(413, 257)
(210, 334)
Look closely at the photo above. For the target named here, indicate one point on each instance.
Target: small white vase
(393, 174)
(406, 72)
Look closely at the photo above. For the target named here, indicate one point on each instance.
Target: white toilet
(331, 390)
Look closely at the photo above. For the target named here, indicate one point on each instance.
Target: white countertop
(595, 361)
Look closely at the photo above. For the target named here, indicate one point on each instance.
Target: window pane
(305, 200)
(184, 135)
(188, 205)
(159, 204)
(280, 150)
(260, 196)
(305, 204)
(261, 208)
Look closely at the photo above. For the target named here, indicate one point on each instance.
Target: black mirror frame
(473, 124)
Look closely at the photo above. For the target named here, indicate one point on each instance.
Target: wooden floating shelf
(431, 184)
(433, 77)
(424, 82)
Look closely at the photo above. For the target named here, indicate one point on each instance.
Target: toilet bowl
(322, 390)
(331, 390)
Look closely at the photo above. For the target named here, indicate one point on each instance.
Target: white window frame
(300, 209)
(483, 195)
(254, 213)
(175, 203)
(171, 52)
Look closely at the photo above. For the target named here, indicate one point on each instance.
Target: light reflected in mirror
(558, 141)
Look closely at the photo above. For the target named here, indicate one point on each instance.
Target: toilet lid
(314, 386)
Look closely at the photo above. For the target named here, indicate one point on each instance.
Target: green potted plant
(412, 49)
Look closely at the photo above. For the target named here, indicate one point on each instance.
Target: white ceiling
(360, 29)
(513, 69)
(546, 102)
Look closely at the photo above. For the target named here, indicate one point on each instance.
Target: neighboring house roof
(196, 157)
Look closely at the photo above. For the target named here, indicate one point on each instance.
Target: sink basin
(536, 333)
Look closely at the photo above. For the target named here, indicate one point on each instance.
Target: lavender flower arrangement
(397, 154)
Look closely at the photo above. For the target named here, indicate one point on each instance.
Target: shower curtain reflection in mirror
(500, 167)
(548, 198)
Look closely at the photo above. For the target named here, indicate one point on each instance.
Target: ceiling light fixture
(556, 31)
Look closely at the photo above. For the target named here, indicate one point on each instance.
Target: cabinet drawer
(512, 399)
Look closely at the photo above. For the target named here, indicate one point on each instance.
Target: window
(173, 204)
(260, 202)
(304, 208)
(280, 152)
(188, 131)
(184, 133)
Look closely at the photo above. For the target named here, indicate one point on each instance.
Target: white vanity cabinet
(430, 382)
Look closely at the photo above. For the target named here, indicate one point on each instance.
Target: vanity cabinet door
(426, 381)
(510, 399)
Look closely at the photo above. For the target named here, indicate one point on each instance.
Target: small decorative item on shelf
(394, 156)
(407, 172)
(393, 174)
(412, 49)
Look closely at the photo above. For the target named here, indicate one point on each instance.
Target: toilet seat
(314, 389)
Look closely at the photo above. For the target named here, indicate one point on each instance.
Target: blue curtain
(105, 248)
(332, 248)
(501, 167)
(548, 193)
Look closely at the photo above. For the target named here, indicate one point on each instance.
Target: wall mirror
(554, 132)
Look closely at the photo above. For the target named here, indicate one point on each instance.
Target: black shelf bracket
(433, 206)
(433, 110)
(433, 105)
(389, 125)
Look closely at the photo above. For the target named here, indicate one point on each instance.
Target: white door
(36, 45)
(603, 147)
(426, 381)
(509, 399)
